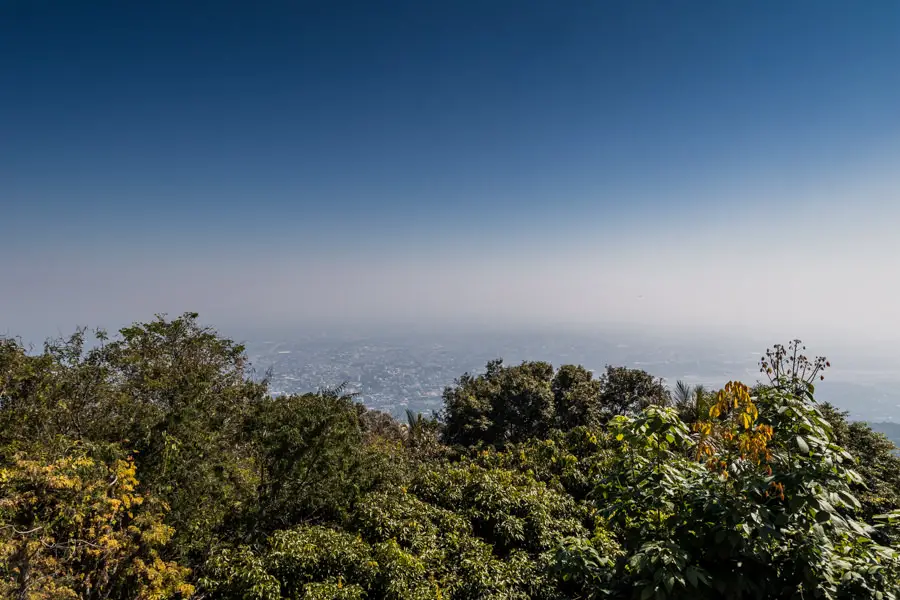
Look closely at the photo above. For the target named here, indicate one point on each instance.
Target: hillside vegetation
(890, 430)
(152, 465)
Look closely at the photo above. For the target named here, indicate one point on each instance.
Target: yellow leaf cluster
(732, 430)
(80, 529)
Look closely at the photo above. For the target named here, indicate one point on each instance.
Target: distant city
(400, 373)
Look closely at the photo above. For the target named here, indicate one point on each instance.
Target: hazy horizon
(714, 171)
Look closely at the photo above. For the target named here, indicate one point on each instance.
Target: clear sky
(690, 166)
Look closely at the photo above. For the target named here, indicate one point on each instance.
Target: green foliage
(239, 573)
(311, 459)
(769, 515)
(332, 591)
(890, 430)
(568, 461)
(513, 404)
(581, 571)
(505, 404)
(172, 392)
(875, 458)
(310, 554)
(509, 510)
(423, 437)
(378, 424)
(692, 403)
(575, 395)
(627, 391)
(532, 483)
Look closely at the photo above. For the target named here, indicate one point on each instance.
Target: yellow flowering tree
(74, 527)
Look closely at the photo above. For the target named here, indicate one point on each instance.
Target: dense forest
(154, 464)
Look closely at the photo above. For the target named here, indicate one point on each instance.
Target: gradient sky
(688, 166)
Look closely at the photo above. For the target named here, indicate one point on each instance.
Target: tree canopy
(151, 465)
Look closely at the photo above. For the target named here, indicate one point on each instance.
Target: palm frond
(683, 393)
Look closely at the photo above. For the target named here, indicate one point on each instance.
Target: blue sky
(667, 164)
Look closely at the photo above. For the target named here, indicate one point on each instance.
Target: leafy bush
(153, 466)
